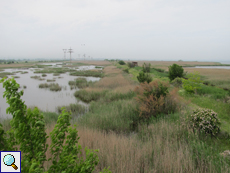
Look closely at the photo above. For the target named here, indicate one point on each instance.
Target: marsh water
(42, 98)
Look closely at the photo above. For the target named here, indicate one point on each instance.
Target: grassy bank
(94, 73)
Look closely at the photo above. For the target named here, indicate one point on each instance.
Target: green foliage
(192, 83)
(146, 68)
(175, 71)
(177, 82)
(205, 120)
(126, 70)
(130, 65)
(121, 62)
(144, 77)
(28, 132)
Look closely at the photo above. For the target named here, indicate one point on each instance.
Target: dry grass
(211, 74)
(97, 63)
(165, 64)
(115, 80)
(162, 150)
(219, 77)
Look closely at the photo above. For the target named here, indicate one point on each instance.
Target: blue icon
(9, 160)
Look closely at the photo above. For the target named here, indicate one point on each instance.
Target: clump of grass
(52, 86)
(93, 73)
(16, 76)
(80, 83)
(44, 75)
(116, 116)
(24, 72)
(50, 80)
(44, 85)
(76, 109)
(89, 96)
(50, 117)
(56, 74)
(24, 87)
(54, 70)
(5, 74)
(55, 87)
(37, 77)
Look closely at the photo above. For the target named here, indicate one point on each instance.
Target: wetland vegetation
(145, 127)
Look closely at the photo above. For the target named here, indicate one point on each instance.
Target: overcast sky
(196, 30)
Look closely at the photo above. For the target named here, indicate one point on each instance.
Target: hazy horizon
(189, 30)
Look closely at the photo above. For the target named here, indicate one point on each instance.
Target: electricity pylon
(64, 50)
(70, 51)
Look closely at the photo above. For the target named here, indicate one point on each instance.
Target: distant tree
(146, 68)
(175, 71)
(121, 62)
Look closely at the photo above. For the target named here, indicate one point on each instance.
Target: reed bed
(93, 73)
(5, 74)
(52, 86)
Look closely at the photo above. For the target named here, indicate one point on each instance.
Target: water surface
(44, 99)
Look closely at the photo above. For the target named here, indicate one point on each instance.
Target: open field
(165, 64)
(219, 77)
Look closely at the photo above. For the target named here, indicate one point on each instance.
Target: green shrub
(121, 62)
(192, 83)
(177, 82)
(205, 120)
(130, 65)
(126, 70)
(144, 77)
(146, 68)
(175, 71)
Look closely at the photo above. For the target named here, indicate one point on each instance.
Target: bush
(192, 83)
(146, 68)
(175, 71)
(177, 82)
(144, 77)
(121, 62)
(130, 65)
(126, 70)
(154, 99)
(205, 120)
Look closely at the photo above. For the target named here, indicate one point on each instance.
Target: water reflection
(44, 99)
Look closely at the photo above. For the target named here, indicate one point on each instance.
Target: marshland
(105, 99)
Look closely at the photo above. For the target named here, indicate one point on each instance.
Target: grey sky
(116, 29)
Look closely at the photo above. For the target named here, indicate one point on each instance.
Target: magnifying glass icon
(9, 160)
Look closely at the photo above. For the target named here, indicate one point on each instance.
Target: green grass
(214, 92)
(44, 75)
(88, 73)
(52, 86)
(89, 96)
(50, 80)
(80, 83)
(5, 74)
(116, 116)
(50, 117)
(37, 77)
(76, 109)
(54, 70)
